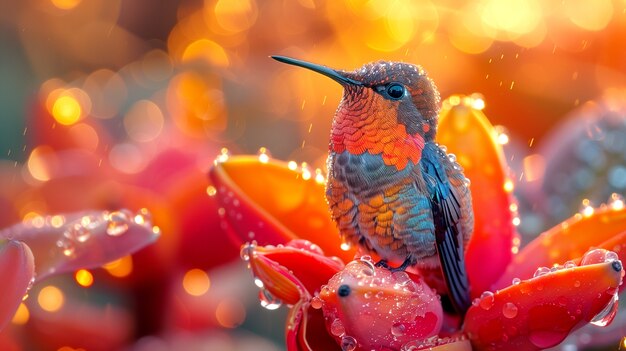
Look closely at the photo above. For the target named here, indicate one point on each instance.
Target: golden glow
(196, 282)
(590, 14)
(22, 315)
(235, 15)
(230, 313)
(292, 165)
(587, 209)
(40, 163)
(210, 190)
(512, 18)
(84, 277)
(144, 121)
(66, 110)
(51, 298)
(65, 4)
(207, 50)
(57, 221)
(508, 186)
(120, 268)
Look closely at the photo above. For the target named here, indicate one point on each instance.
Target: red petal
(617, 244)
(566, 241)
(16, 271)
(287, 272)
(467, 133)
(306, 330)
(540, 312)
(268, 202)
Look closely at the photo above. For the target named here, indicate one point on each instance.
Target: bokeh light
(83, 277)
(120, 268)
(50, 298)
(196, 282)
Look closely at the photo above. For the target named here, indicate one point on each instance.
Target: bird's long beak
(328, 72)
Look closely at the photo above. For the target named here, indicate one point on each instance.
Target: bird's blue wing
(446, 210)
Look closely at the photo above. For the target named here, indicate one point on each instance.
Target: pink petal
(16, 273)
(467, 133)
(566, 241)
(64, 243)
(374, 308)
(539, 313)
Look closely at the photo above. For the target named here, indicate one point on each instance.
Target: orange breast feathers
(360, 126)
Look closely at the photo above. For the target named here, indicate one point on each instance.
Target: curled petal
(16, 273)
(64, 243)
(540, 312)
(290, 273)
(374, 308)
(306, 330)
(566, 241)
(617, 244)
(467, 133)
(272, 204)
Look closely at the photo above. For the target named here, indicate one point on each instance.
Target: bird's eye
(395, 91)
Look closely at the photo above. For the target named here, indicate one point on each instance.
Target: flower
(524, 299)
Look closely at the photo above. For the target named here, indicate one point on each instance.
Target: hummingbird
(391, 189)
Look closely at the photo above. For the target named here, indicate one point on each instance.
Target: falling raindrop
(348, 343)
(118, 223)
(268, 301)
(607, 314)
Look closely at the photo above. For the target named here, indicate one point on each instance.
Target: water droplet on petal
(268, 301)
(67, 247)
(541, 271)
(337, 328)
(348, 343)
(486, 300)
(247, 251)
(607, 314)
(398, 329)
(316, 302)
(264, 155)
(77, 232)
(509, 310)
(516, 281)
(118, 223)
(577, 283)
(452, 158)
(586, 208)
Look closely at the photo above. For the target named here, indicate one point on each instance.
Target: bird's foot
(401, 268)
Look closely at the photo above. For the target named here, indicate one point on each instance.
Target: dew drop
(316, 302)
(467, 182)
(337, 328)
(516, 281)
(607, 314)
(77, 232)
(348, 343)
(541, 271)
(509, 310)
(268, 301)
(118, 223)
(577, 283)
(586, 208)
(562, 300)
(258, 282)
(247, 251)
(90, 222)
(67, 247)
(486, 300)
(398, 329)
(452, 158)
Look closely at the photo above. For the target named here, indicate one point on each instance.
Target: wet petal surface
(368, 307)
(567, 241)
(64, 243)
(467, 133)
(540, 312)
(268, 202)
(306, 331)
(16, 273)
(290, 273)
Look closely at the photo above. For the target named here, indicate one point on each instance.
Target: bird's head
(392, 105)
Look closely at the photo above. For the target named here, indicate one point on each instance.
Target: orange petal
(290, 273)
(467, 133)
(540, 312)
(566, 241)
(272, 204)
(16, 272)
(617, 244)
